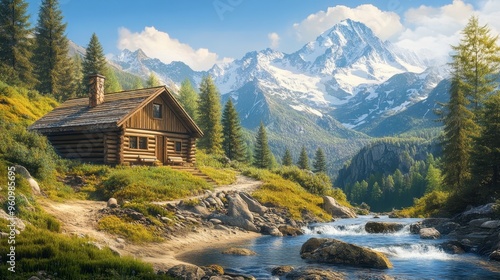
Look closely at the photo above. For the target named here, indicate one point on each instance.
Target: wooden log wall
(112, 148)
(86, 147)
(132, 155)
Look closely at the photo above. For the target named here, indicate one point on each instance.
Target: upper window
(157, 113)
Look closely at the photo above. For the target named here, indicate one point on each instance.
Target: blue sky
(203, 32)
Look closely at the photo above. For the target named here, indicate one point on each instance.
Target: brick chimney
(96, 89)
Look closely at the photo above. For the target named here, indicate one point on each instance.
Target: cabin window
(178, 147)
(157, 113)
(138, 142)
(132, 142)
(143, 143)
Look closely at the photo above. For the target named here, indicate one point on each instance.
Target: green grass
(136, 233)
(145, 184)
(68, 258)
(220, 176)
(280, 192)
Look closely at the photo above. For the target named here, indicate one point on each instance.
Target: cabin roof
(76, 114)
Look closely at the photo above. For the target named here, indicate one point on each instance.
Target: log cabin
(142, 126)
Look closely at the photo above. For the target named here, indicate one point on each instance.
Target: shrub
(286, 194)
(318, 184)
(429, 205)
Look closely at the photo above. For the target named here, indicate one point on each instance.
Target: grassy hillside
(42, 246)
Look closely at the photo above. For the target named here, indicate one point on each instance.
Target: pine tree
(457, 144)
(263, 157)
(303, 162)
(78, 87)
(15, 43)
(137, 83)
(287, 158)
(152, 81)
(319, 164)
(111, 84)
(476, 62)
(210, 117)
(50, 56)
(188, 98)
(233, 143)
(486, 153)
(94, 61)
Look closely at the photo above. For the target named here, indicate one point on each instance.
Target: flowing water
(412, 257)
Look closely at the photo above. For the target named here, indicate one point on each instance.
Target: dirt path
(79, 217)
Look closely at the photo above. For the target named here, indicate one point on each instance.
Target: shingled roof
(76, 114)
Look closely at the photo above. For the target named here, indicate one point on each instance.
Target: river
(412, 257)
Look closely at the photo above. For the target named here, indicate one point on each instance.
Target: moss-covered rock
(328, 250)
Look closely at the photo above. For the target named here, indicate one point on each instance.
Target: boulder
(287, 230)
(383, 227)
(112, 203)
(491, 224)
(495, 256)
(331, 206)
(238, 222)
(271, 230)
(429, 233)
(26, 175)
(239, 252)
(186, 271)
(253, 205)
(281, 270)
(447, 228)
(313, 273)
(213, 270)
(237, 207)
(415, 227)
(453, 247)
(328, 250)
(478, 222)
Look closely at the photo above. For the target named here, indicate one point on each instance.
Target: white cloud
(430, 31)
(274, 40)
(158, 44)
(384, 24)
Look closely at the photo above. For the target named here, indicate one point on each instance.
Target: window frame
(178, 144)
(145, 141)
(138, 140)
(157, 111)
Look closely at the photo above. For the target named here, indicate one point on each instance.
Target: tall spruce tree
(50, 57)
(15, 43)
(476, 62)
(486, 152)
(263, 157)
(457, 143)
(319, 164)
(474, 66)
(287, 158)
(210, 116)
(94, 61)
(188, 98)
(303, 162)
(77, 80)
(233, 143)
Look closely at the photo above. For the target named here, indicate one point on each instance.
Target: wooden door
(160, 148)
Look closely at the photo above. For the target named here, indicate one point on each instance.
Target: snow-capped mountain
(172, 74)
(347, 73)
